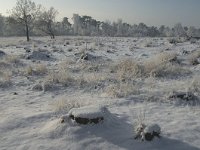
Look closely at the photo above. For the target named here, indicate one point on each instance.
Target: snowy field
(138, 80)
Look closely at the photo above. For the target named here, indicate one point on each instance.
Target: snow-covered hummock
(152, 128)
(88, 112)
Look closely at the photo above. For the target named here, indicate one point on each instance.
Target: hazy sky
(151, 12)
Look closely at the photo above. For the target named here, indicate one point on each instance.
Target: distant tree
(13, 28)
(179, 30)
(153, 32)
(119, 27)
(1, 25)
(107, 28)
(192, 32)
(46, 21)
(77, 24)
(25, 12)
(162, 30)
(66, 23)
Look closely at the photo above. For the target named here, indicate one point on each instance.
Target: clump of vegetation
(129, 69)
(61, 77)
(194, 58)
(5, 79)
(39, 69)
(122, 90)
(164, 65)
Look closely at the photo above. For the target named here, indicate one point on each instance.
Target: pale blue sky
(151, 12)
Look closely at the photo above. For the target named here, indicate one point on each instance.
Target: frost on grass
(165, 65)
(129, 69)
(122, 90)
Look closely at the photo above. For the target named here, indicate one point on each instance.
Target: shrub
(122, 90)
(129, 69)
(194, 57)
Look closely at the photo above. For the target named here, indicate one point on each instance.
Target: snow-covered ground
(144, 80)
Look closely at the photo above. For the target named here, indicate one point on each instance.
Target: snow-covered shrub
(144, 131)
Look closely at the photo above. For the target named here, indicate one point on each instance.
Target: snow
(152, 128)
(88, 112)
(30, 119)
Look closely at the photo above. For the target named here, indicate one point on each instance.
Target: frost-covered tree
(77, 24)
(192, 32)
(25, 12)
(46, 21)
(66, 25)
(107, 29)
(179, 30)
(119, 27)
(2, 25)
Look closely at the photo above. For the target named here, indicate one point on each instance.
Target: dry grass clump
(164, 65)
(194, 58)
(195, 85)
(61, 77)
(122, 90)
(63, 104)
(5, 79)
(168, 70)
(129, 69)
(160, 59)
(13, 59)
(10, 61)
(39, 69)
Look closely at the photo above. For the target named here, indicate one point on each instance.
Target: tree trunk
(53, 37)
(27, 33)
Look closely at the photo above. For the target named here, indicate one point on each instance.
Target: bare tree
(25, 12)
(46, 22)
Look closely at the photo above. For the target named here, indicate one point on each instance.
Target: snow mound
(90, 57)
(51, 126)
(39, 55)
(89, 115)
(88, 112)
(152, 128)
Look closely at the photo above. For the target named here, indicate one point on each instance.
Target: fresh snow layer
(152, 128)
(88, 112)
(29, 120)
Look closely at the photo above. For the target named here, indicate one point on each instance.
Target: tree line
(30, 19)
